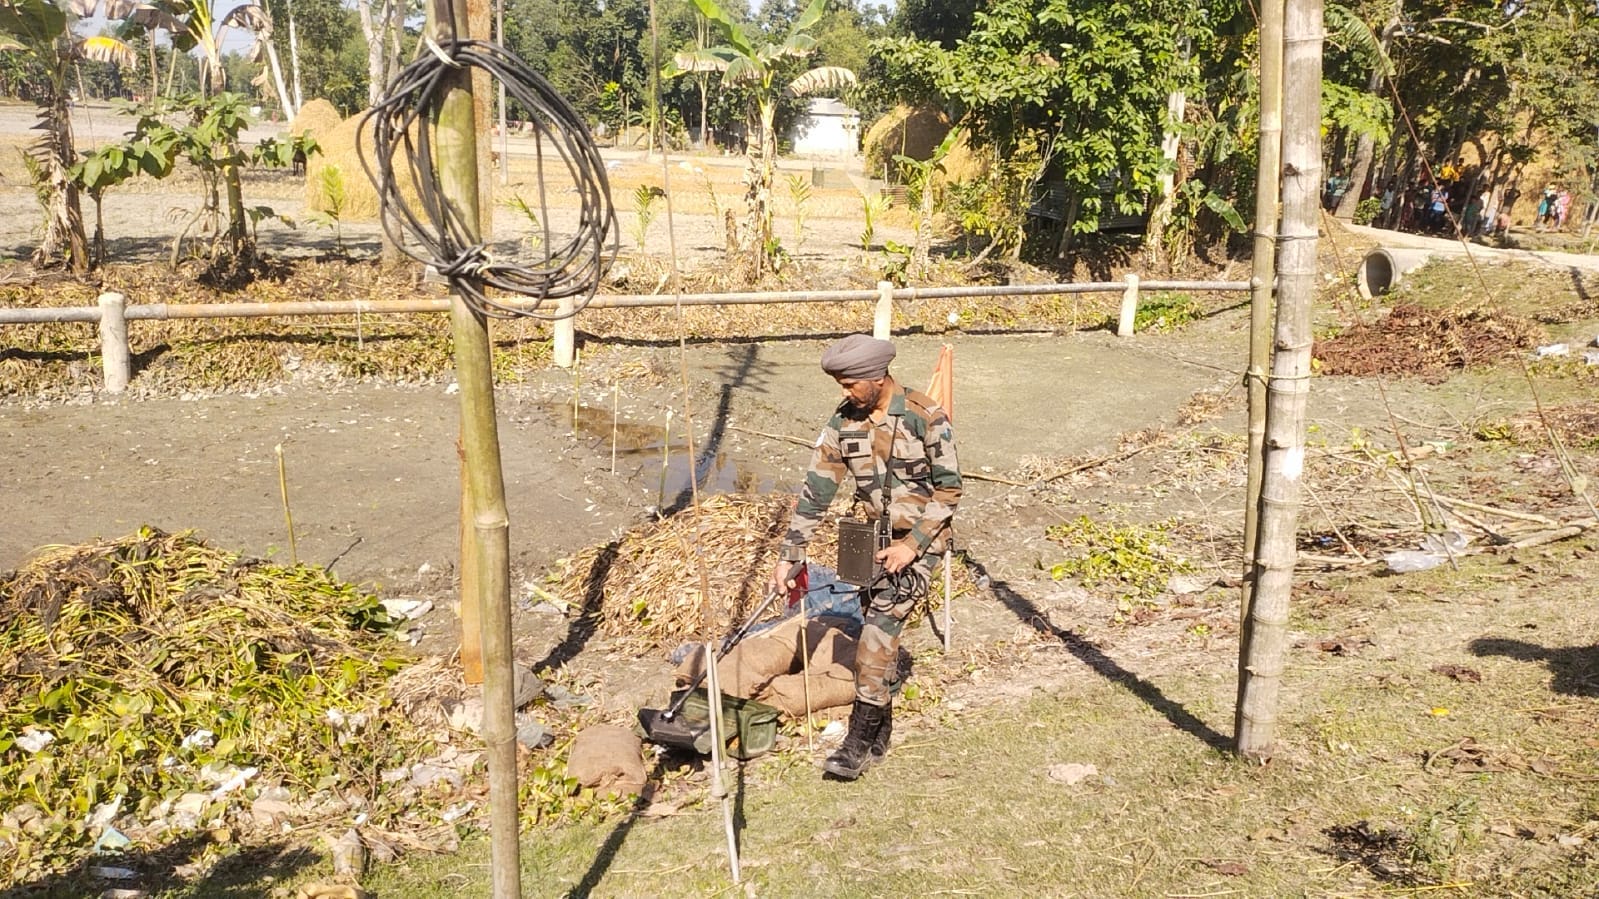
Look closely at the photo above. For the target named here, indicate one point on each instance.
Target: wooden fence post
(565, 334)
(114, 356)
(883, 315)
(1124, 327)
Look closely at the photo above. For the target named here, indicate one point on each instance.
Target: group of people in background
(1453, 194)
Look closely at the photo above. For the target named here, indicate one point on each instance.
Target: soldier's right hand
(781, 582)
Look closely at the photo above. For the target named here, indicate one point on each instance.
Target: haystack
(317, 117)
(903, 131)
(965, 164)
(360, 198)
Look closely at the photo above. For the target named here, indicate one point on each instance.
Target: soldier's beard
(865, 405)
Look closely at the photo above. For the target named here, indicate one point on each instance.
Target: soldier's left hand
(896, 558)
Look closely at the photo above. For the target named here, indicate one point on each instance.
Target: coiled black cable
(401, 121)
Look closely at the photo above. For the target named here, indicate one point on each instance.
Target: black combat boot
(855, 756)
(885, 729)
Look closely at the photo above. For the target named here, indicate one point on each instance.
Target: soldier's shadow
(1574, 670)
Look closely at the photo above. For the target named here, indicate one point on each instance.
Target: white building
(828, 128)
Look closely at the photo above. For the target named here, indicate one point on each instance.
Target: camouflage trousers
(887, 606)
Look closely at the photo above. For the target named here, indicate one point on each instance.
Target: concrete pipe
(1384, 267)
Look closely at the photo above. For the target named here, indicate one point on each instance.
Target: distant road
(1446, 247)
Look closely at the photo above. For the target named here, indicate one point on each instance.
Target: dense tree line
(1082, 109)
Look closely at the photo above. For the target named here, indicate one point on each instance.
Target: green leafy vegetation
(1134, 560)
(1164, 312)
(139, 671)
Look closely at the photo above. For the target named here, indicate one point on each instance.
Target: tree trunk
(98, 259)
(924, 227)
(172, 69)
(373, 30)
(1155, 243)
(763, 162)
(1290, 381)
(63, 225)
(290, 109)
(238, 233)
(377, 31)
(294, 60)
(1366, 145)
(704, 109)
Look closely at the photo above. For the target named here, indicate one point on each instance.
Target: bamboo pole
(455, 119)
(175, 311)
(1268, 183)
(471, 613)
(1284, 458)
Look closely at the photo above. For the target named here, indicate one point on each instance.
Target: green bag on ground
(751, 726)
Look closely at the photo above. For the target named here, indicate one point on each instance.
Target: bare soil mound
(1412, 340)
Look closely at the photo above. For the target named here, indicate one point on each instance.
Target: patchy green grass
(1165, 312)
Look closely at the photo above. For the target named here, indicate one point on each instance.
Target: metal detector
(688, 728)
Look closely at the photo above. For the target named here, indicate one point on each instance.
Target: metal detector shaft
(728, 642)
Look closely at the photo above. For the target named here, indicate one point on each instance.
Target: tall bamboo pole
(458, 181)
(1268, 183)
(1289, 387)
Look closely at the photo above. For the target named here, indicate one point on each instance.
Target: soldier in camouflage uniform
(894, 440)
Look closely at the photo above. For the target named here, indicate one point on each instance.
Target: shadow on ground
(1574, 669)
(155, 872)
(1103, 665)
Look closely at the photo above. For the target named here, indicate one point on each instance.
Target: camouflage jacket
(924, 480)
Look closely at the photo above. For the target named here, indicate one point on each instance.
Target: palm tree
(742, 61)
(41, 32)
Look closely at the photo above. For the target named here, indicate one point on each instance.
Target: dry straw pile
(904, 131)
(645, 590)
(317, 118)
(347, 187)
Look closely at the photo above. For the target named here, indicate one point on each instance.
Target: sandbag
(831, 686)
(833, 647)
(749, 668)
(746, 669)
(609, 759)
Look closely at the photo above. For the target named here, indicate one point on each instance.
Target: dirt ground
(373, 477)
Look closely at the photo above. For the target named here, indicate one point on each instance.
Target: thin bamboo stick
(1494, 510)
(805, 667)
(288, 517)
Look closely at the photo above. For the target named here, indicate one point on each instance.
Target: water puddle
(640, 454)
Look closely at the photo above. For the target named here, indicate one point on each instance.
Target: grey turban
(858, 358)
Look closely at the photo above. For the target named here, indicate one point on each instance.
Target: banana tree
(41, 32)
(743, 61)
(193, 25)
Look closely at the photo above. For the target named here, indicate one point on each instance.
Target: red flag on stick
(942, 389)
